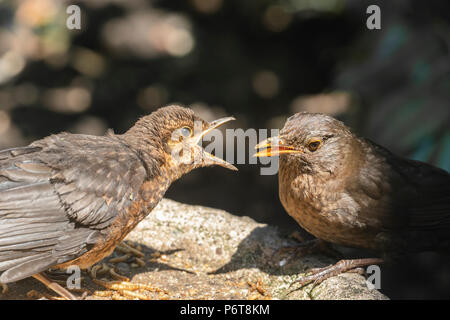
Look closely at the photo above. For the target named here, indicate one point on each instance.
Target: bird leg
(128, 249)
(318, 275)
(122, 288)
(309, 247)
(55, 287)
(4, 288)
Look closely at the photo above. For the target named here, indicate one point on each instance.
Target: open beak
(208, 158)
(274, 146)
(213, 125)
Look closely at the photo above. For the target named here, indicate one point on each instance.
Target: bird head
(315, 142)
(171, 136)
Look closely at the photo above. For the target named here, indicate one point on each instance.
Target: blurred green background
(260, 61)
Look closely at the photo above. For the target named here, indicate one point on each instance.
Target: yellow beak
(208, 158)
(274, 146)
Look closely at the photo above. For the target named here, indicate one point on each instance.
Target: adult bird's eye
(314, 145)
(186, 132)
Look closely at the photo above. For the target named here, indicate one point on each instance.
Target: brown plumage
(350, 191)
(70, 198)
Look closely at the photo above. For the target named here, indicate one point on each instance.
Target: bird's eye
(314, 145)
(186, 132)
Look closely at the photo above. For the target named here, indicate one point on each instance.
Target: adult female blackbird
(69, 199)
(350, 191)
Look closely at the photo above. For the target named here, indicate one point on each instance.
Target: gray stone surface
(194, 252)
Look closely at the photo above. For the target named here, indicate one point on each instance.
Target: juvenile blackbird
(350, 191)
(69, 199)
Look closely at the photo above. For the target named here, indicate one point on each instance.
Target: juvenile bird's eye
(314, 145)
(186, 132)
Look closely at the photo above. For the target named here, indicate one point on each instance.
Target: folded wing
(58, 196)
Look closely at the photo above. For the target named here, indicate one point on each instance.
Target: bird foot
(309, 247)
(318, 275)
(128, 249)
(125, 290)
(121, 288)
(34, 294)
(64, 293)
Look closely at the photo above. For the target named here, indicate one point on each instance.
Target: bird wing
(57, 196)
(420, 193)
(426, 194)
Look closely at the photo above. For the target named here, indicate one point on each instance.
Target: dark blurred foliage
(260, 61)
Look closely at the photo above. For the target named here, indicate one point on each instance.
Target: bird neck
(149, 148)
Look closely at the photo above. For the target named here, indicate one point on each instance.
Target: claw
(318, 275)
